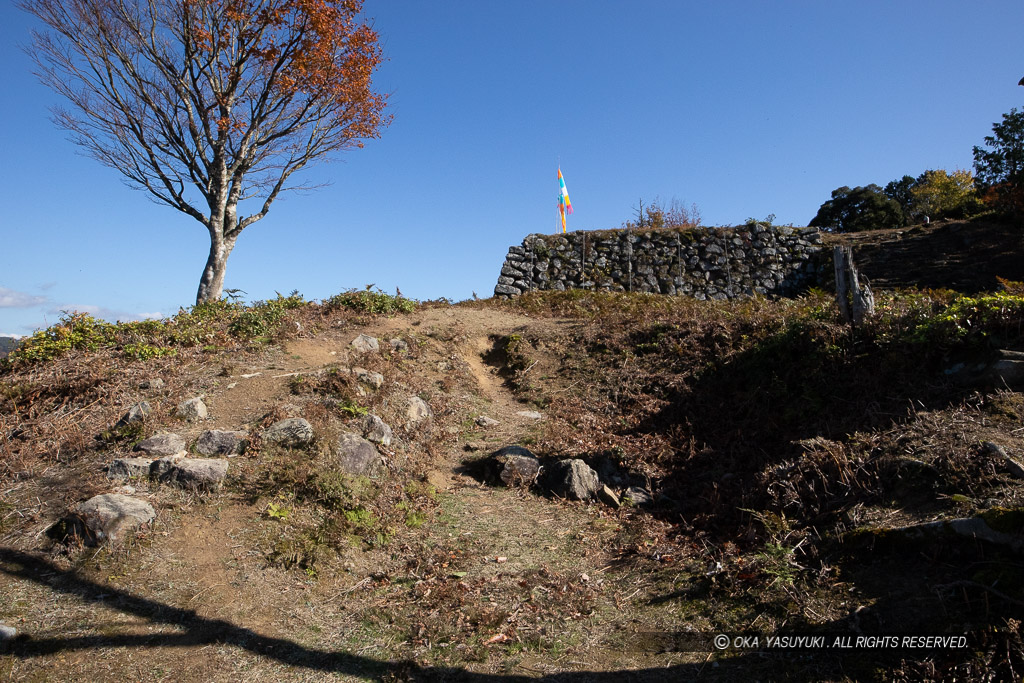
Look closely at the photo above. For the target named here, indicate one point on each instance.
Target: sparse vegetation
(789, 460)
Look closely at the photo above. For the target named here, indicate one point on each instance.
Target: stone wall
(705, 263)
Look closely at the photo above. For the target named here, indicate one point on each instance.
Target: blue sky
(744, 108)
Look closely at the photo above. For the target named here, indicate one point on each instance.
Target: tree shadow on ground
(785, 666)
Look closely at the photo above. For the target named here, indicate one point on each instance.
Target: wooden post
(855, 300)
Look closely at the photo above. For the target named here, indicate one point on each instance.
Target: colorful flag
(564, 205)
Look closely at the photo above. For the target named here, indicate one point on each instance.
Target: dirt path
(207, 556)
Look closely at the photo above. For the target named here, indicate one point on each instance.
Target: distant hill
(7, 344)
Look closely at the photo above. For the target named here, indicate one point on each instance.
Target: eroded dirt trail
(205, 577)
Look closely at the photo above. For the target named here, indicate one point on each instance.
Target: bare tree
(205, 104)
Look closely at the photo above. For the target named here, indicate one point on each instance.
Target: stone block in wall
(507, 290)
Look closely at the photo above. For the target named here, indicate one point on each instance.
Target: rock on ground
(137, 413)
(364, 343)
(1012, 464)
(355, 455)
(129, 468)
(162, 466)
(164, 443)
(638, 495)
(608, 497)
(417, 411)
(516, 465)
(197, 473)
(7, 633)
(289, 433)
(572, 478)
(221, 442)
(485, 422)
(193, 409)
(374, 380)
(377, 430)
(108, 518)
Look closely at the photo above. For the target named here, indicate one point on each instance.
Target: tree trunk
(211, 285)
(854, 299)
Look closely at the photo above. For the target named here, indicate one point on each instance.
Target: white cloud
(11, 334)
(10, 298)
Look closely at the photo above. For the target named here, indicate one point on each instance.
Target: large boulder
(161, 444)
(290, 433)
(572, 478)
(197, 473)
(108, 518)
(516, 466)
(221, 442)
(355, 455)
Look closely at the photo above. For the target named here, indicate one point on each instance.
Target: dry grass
(780, 447)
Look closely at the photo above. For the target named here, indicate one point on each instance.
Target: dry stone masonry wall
(705, 263)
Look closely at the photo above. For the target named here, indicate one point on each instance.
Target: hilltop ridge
(760, 467)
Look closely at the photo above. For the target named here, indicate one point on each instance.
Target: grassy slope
(783, 448)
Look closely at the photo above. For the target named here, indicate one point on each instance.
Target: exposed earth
(793, 467)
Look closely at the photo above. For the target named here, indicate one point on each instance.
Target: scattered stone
(486, 422)
(517, 466)
(377, 430)
(608, 497)
(137, 413)
(417, 411)
(638, 496)
(221, 442)
(530, 414)
(197, 473)
(371, 379)
(289, 433)
(356, 455)
(1012, 464)
(7, 633)
(572, 478)
(364, 343)
(129, 468)
(1000, 526)
(164, 443)
(154, 383)
(108, 518)
(191, 410)
(161, 466)
(399, 346)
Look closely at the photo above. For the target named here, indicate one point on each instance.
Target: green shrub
(367, 301)
(970, 320)
(78, 331)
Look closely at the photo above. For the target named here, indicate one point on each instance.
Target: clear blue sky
(746, 108)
